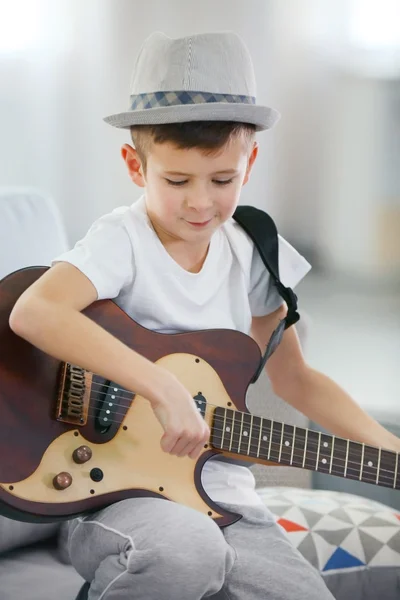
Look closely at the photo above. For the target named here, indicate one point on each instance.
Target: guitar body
(126, 458)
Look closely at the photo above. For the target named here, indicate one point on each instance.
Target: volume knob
(62, 481)
(82, 455)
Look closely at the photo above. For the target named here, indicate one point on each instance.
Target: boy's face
(189, 194)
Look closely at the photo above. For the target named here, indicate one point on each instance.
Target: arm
(313, 393)
(48, 315)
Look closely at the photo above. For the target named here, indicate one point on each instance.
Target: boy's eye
(177, 183)
(216, 181)
(223, 182)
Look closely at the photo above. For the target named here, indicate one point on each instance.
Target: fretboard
(243, 434)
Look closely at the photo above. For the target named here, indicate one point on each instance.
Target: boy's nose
(200, 202)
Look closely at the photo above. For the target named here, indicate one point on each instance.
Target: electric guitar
(73, 442)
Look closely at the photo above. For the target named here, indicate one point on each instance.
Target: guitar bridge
(74, 395)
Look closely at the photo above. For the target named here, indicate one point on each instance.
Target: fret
(246, 434)
(287, 444)
(270, 438)
(305, 449)
(276, 435)
(255, 436)
(354, 463)
(379, 465)
(387, 472)
(362, 462)
(298, 447)
(370, 465)
(347, 458)
(216, 438)
(223, 430)
(318, 451)
(293, 445)
(281, 444)
(265, 438)
(250, 436)
(228, 428)
(339, 457)
(241, 431)
(312, 450)
(325, 453)
(259, 437)
(236, 431)
(232, 429)
(332, 451)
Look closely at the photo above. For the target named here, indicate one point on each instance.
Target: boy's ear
(133, 164)
(250, 163)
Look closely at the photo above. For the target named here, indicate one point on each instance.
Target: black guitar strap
(262, 230)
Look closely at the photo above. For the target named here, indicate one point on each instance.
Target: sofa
(353, 541)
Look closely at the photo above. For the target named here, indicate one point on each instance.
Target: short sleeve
(263, 295)
(104, 255)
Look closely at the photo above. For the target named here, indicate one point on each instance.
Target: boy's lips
(199, 223)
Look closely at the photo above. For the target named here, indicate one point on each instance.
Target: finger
(187, 443)
(199, 444)
(193, 446)
(184, 451)
(168, 440)
(182, 444)
(198, 447)
(197, 450)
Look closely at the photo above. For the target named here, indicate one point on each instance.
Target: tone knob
(96, 474)
(82, 455)
(62, 481)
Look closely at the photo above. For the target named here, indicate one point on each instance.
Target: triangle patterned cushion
(353, 541)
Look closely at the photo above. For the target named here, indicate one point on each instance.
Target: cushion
(31, 229)
(14, 534)
(353, 541)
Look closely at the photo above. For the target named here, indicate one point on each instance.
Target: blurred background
(328, 173)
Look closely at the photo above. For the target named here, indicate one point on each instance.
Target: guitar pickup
(109, 406)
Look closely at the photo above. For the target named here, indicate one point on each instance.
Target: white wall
(55, 94)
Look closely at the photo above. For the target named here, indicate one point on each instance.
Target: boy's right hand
(49, 316)
(186, 432)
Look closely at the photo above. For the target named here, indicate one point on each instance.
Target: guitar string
(349, 462)
(311, 453)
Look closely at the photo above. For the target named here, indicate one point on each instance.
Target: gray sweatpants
(152, 549)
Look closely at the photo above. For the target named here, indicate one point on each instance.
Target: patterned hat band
(159, 99)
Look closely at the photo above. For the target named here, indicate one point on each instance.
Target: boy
(176, 261)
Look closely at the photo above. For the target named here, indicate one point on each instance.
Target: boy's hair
(209, 136)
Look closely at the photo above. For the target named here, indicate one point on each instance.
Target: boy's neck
(194, 266)
(189, 256)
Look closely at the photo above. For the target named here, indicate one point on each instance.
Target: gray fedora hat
(205, 77)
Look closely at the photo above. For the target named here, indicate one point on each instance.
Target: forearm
(326, 403)
(70, 336)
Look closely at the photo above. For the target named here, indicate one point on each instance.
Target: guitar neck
(266, 440)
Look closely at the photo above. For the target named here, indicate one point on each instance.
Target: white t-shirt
(125, 260)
